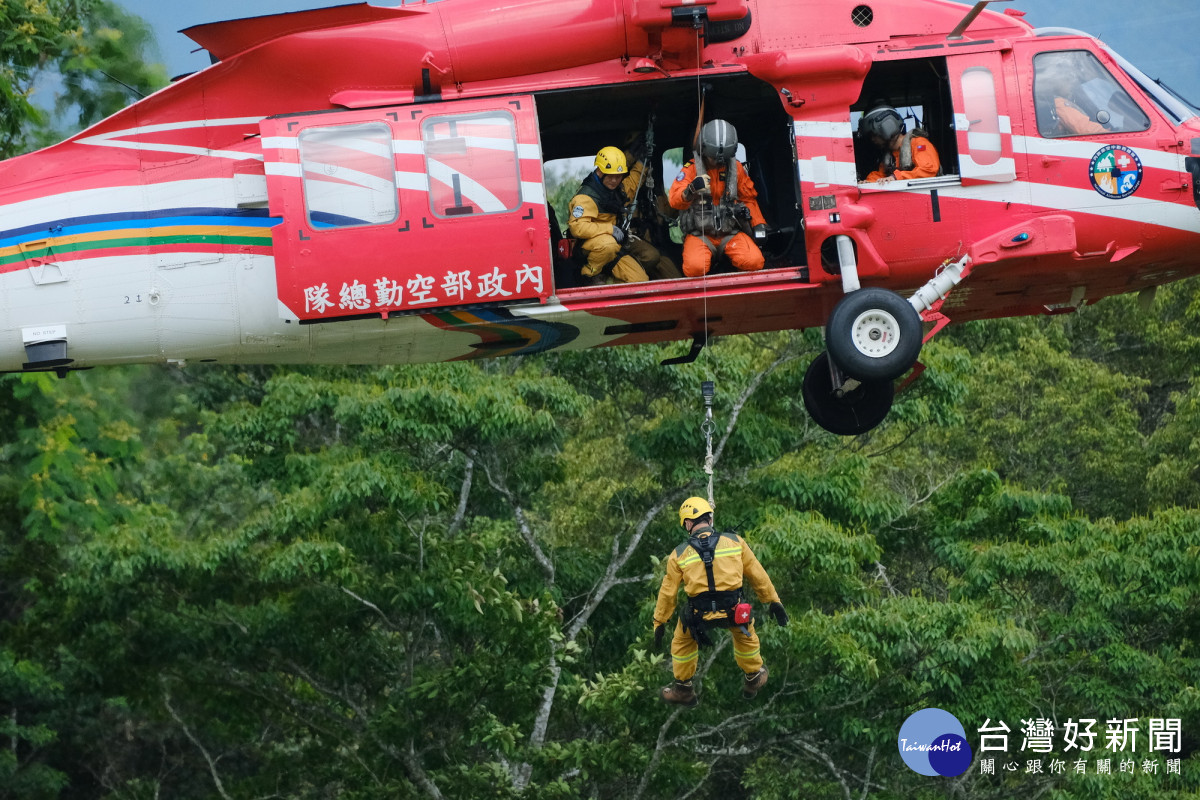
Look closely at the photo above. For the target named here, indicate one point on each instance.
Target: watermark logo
(934, 742)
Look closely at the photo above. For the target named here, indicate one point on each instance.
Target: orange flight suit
(742, 251)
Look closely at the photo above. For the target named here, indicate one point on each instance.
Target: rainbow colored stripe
(172, 230)
(501, 333)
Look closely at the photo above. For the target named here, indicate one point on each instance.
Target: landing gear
(844, 406)
(874, 335)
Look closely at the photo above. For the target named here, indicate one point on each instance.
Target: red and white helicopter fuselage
(366, 185)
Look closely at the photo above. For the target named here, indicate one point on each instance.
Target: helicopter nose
(1193, 166)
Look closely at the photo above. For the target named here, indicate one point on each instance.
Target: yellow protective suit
(733, 562)
(593, 226)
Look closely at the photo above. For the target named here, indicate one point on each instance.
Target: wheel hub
(875, 333)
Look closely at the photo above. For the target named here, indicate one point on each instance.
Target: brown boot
(754, 682)
(679, 693)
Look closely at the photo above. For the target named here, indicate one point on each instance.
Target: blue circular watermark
(934, 742)
(1116, 171)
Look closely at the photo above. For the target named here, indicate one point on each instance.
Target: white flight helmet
(718, 140)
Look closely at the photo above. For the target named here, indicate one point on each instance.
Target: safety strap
(731, 175)
(707, 548)
(717, 250)
(906, 152)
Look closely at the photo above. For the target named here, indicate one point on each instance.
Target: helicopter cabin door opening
(578, 122)
(407, 209)
(919, 90)
(912, 218)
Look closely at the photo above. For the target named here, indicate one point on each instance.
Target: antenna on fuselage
(970, 17)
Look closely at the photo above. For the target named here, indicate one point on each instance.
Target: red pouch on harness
(741, 613)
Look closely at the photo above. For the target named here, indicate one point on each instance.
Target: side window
(471, 160)
(1074, 95)
(349, 176)
(983, 117)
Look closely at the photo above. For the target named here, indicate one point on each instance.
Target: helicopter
(368, 185)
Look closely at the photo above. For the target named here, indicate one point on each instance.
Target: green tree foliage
(437, 582)
(90, 54)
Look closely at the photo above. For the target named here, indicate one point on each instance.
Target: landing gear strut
(872, 337)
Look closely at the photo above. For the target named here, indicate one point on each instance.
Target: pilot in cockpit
(1057, 93)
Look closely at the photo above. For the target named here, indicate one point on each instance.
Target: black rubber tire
(857, 412)
(874, 335)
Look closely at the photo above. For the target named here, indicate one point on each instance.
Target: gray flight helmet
(882, 121)
(718, 140)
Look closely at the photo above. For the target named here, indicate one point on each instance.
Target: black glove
(618, 234)
(659, 631)
(760, 233)
(637, 150)
(780, 615)
(700, 184)
(742, 211)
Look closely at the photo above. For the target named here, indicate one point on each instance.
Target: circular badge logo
(1116, 171)
(933, 742)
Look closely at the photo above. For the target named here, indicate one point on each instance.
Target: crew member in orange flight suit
(1073, 121)
(716, 214)
(905, 155)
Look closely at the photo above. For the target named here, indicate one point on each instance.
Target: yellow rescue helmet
(693, 507)
(611, 161)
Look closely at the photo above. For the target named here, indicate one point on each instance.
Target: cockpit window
(1076, 96)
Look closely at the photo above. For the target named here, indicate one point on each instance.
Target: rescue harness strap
(707, 548)
(711, 601)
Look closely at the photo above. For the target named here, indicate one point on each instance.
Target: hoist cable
(707, 391)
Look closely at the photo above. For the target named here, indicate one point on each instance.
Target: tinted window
(471, 160)
(1076, 96)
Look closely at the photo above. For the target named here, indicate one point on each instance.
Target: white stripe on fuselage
(1040, 195)
(201, 193)
(824, 172)
(1085, 149)
(119, 138)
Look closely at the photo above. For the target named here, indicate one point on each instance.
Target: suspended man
(712, 566)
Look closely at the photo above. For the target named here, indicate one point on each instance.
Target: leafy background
(437, 581)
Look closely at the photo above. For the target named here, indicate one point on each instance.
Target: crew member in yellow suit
(718, 206)
(596, 214)
(905, 155)
(711, 566)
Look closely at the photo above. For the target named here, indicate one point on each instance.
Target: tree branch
(371, 606)
(407, 757)
(881, 573)
(740, 403)
(662, 743)
(212, 765)
(522, 524)
(538, 738)
(617, 561)
(825, 759)
(867, 774)
(463, 493)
